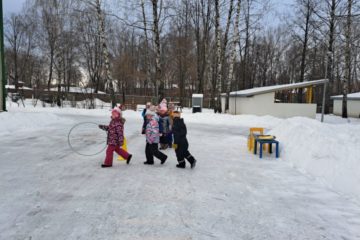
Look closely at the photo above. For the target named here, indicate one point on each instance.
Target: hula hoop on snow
(76, 151)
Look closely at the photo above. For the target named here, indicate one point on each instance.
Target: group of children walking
(161, 126)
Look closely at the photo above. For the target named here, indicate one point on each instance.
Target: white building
(353, 104)
(261, 101)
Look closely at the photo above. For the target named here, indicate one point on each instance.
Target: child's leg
(148, 153)
(122, 152)
(180, 156)
(170, 139)
(163, 142)
(109, 155)
(155, 152)
(188, 156)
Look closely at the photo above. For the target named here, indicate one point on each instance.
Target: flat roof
(351, 96)
(275, 88)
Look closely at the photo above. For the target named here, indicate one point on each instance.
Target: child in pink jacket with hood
(152, 138)
(115, 138)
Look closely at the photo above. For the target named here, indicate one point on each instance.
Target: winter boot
(105, 166)
(163, 160)
(129, 159)
(181, 164)
(149, 163)
(193, 164)
(192, 161)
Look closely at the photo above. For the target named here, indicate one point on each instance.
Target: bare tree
(90, 49)
(201, 15)
(307, 11)
(15, 34)
(217, 83)
(235, 43)
(225, 43)
(49, 35)
(147, 56)
(156, 37)
(347, 77)
(102, 34)
(330, 53)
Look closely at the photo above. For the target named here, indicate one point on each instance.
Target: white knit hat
(149, 112)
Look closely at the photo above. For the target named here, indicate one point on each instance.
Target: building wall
(353, 108)
(223, 103)
(1, 97)
(264, 104)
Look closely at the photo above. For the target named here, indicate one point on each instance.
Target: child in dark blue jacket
(181, 143)
(164, 126)
(143, 114)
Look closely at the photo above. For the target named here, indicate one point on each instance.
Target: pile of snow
(349, 96)
(13, 87)
(30, 118)
(328, 152)
(13, 121)
(98, 103)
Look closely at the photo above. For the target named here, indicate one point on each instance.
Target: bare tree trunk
(158, 77)
(225, 43)
(347, 76)
(109, 80)
(235, 43)
(199, 44)
(218, 53)
(246, 50)
(147, 59)
(304, 49)
(206, 19)
(330, 54)
(16, 77)
(50, 68)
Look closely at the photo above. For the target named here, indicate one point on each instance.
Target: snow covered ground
(49, 192)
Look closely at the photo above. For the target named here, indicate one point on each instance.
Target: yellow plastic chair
(124, 146)
(251, 139)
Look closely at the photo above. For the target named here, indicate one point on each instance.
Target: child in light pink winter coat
(152, 138)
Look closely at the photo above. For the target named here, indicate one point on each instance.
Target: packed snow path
(49, 192)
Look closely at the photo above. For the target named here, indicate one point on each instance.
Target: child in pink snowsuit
(115, 138)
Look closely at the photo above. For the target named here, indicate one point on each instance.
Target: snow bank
(32, 118)
(329, 152)
(13, 121)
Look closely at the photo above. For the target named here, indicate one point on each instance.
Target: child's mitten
(103, 127)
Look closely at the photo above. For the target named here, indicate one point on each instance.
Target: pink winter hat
(117, 111)
(163, 106)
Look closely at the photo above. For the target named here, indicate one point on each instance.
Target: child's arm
(181, 129)
(119, 129)
(104, 127)
(161, 128)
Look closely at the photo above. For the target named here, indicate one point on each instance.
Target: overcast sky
(279, 8)
(11, 6)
